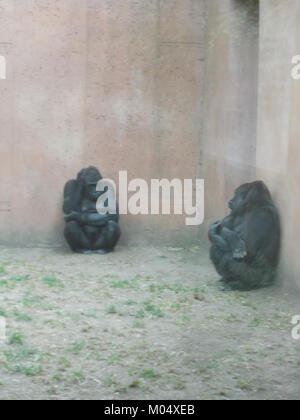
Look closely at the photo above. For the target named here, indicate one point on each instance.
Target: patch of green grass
(57, 377)
(76, 347)
(30, 301)
(91, 315)
(179, 386)
(256, 322)
(151, 309)
(63, 364)
(2, 271)
(77, 377)
(130, 302)
(19, 279)
(23, 353)
(15, 338)
(138, 324)
(204, 367)
(111, 309)
(185, 320)
(31, 370)
(132, 371)
(176, 288)
(3, 283)
(3, 313)
(179, 288)
(52, 281)
(120, 284)
(110, 382)
(140, 314)
(22, 317)
(244, 385)
(115, 358)
(149, 374)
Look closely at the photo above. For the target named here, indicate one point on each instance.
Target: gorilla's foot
(236, 285)
(227, 288)
(102, 251)
(93, 251)
(228, 284)
(83, 251)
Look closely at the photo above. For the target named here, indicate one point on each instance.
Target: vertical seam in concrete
(85, 85)
(200, 140)
(13, 131)
(256, 87)
(157, 122)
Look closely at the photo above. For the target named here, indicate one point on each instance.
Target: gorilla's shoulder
(266, 215)
(70, 186)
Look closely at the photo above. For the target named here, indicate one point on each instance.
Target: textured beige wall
(278, 146)
(161, 88)
(230, 119)
(114, 83)
(251, 119)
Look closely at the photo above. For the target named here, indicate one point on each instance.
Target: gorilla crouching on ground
(86, 230)
(246, 244)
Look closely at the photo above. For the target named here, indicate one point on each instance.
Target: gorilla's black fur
(246, 244)
(86, 230)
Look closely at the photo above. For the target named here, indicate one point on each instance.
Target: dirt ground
(140, 323)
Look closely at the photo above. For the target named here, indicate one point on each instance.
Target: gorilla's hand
(216, 227)
(74, 215)
(240, 253)
(215, 236)
(81, 178)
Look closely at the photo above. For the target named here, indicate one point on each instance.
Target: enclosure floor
(140, 323)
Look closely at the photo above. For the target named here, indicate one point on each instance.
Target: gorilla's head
(90, 176)
(249, 196)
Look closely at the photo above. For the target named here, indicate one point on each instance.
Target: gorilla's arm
(115, 217)
(72, 196)
(92, 219)
(227, 240)
(262, 234)
(236, 243)
(215, 237)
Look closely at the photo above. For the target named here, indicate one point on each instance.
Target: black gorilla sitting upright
(246, 244)
(86, 230)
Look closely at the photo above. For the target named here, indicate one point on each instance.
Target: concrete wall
(230, 110)
(113, 83)
(251, 123)
(278, 147)
(160, 88)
